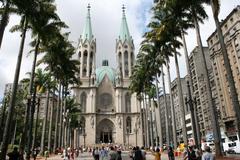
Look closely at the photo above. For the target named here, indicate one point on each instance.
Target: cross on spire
(88, 7)
(123, 8)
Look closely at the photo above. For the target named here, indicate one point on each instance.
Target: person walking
(14, 155)
(103, 154)
(170, 153)
(112, 154)
(138, 154)
(191, 155)
(119, 156)
(207, 155)
(157, 154)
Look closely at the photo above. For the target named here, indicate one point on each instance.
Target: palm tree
(215, 4)
(7, 9)
(47, 93)
(172, 108)
(40, 85)
(198, 15)
(27, 12)
(13, 97)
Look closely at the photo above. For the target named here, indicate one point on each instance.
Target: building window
(128, 103)
(126, 63)
(83, 102)
(129, 125)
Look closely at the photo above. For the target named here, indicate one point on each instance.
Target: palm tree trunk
(36, 124)
(60, 143)
(232, 87)
(144, 121)
(151, 120)
(5, 103)
(180, 100)
(155, 125)
(166, 109)
(32, 100)
(215, 125)
(6, 134)
(45, 121)
(4, 21)
(57, 117)
(50, 125)
(160, 123)
(189, 77)
(172, 109)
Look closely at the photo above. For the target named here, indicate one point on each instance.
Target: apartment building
(231, 32)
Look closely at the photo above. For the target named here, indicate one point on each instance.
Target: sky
(106, 19)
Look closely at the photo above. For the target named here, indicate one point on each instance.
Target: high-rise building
(163, 117)
(177, 106)
(203, 115)
(231, 32)
(110, 113)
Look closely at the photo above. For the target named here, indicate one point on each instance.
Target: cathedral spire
(87, 31)
(124, 32)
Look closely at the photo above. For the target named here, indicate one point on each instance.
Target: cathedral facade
(110, 113)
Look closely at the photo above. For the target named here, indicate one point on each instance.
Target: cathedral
(110, 113)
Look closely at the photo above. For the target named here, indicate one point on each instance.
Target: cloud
(106, 18)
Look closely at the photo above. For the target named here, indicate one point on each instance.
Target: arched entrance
(105, 131)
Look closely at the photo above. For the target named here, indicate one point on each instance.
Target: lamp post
(136, 132)
(84, 136)
(190, 102)
(128, 135)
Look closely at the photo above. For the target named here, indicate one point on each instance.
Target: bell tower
(87, 53)
(124, 50)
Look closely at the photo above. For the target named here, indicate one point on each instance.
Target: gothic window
(128, 103)
(84, 72)
(126, 63)
(120, 59)
(91, 63)
(129, 125)
(79, 54)
(85, 54)
(82, 125)
(83, 102)
(105, 100)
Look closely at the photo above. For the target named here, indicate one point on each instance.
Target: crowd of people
(115, 153)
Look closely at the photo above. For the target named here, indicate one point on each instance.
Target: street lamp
(190, 102)
(136, 132)
(128, 135)
(84, 136)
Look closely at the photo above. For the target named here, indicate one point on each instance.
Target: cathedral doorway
(105, 131)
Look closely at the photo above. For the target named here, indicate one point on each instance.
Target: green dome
(105, 70)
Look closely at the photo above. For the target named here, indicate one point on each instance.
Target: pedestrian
(143, 153)
(65, 154)
(119, 156)
(207, 155)
(191, 155)
(112, 154)
(170, 153)
(14, 155)
(132, 153)
(96, 154)
(46, 153)
(34, 153)
(157, 154)
(138, 154)
(103, 154)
